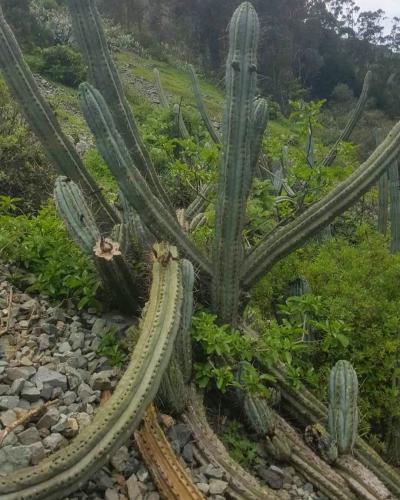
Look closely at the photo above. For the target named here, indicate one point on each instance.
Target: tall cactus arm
(260, 125)
(383, 203)
(235, 170)
(68, 469)
(394, 191)
(201, 106)
(72, 208)
(89, 32)
(352, 123)
(180, 122)
(164, 102)
(44, 123)
(131, 182)
(290, 237)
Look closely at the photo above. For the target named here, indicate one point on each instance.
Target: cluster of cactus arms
(105, 234)
(113, 424)
(343, 409)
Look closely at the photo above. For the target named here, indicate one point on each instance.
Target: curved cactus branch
(242, 485)
(171, 479)
(44, 123)
(201, 106)
(89, 32)
(236, 169)
(383, 191)
(394, 209)
(294, 234)
(352, 123)
(180, 122)
(66, 470)
(130, 181)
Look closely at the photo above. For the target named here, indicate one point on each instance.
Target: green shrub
(62, 64)
(40, 246)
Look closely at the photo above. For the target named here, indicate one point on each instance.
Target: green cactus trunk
(394, 191)
(343, 410)
(236, 168)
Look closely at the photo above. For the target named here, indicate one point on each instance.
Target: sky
(391, 7)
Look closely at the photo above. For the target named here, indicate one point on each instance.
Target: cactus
(343, 409)
(353, 120)
(394, 193)
(130, 181)
(180, 122)
(115, 273)
(89, 33)
(236, 168)
(259, 414)
(164, 103)
(171, 478)
(67, 470)
(44, 123)
(201, 106)
(310, 158)
(383, 191)
(172, 392)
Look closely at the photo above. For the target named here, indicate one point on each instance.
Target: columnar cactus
(68, 469)
(236, 169)
(343, 409)
(394, 209)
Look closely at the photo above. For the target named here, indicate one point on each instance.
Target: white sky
(391, 7)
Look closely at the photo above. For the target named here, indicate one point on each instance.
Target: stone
(212, 471)
(44, 342)
(86, 393)
(8, 417)
(143, 474)
(134, 491)
(83, 419)
(17, 457)
(188, 455)
(271, 477)
(37, 452)
(120, 459)
(4, 389)
(46, 391)
(54, 441)
(49, 418)
(64, 347)
(111, 494)
(30, 393)
(69, 398)
(61, 425)
(102, 380)
(17, 372)
(8, 402)
(217, 487)
(203, 487)
(29, 436)
(50, 377)
(180, 434)
(10, 439)
(308, 488)
(153, 495)
(16, 387)
(76, 337)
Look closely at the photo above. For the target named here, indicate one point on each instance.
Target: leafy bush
(40, 246)
(62, 64)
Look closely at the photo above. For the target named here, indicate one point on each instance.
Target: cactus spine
(66, 470)
(44, 123)
(343, 410)
(235, 170)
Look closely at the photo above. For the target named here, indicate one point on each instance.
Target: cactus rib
(201, 106)
(394, 209)
(352, 123)
(103, 74)
(130, 181)
(291, 236)
(68, 469)
(164, 102)
(235, 169)
(43, 122)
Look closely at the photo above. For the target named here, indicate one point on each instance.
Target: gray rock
(217, 487)
(271, 477)
(86, 393)
(50, 377)
(54, 441)
(203, 487)
(61, 425)
(111, 494)
(212, 471)
(46, 391)
(64, 347)
(120, 459)
(37, 452)
(69, 397)
(15, 457)
(153, 495)
(188, 455)
(29, 436)
(50, 329)
(8, 417)
(8, 402)
(49, 418)
(30, 393)
(44, 342)
(309, 488)
(10, 439)
(17, 372)
(180, 433)
(76, 337)
(133, 487)
(142, 474)
(77, 361)
(102, 380)
(16, 387)
(83, 419)
(4, 389)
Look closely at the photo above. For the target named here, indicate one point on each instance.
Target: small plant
(110, 347)
(62, 64)
(241, 449)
